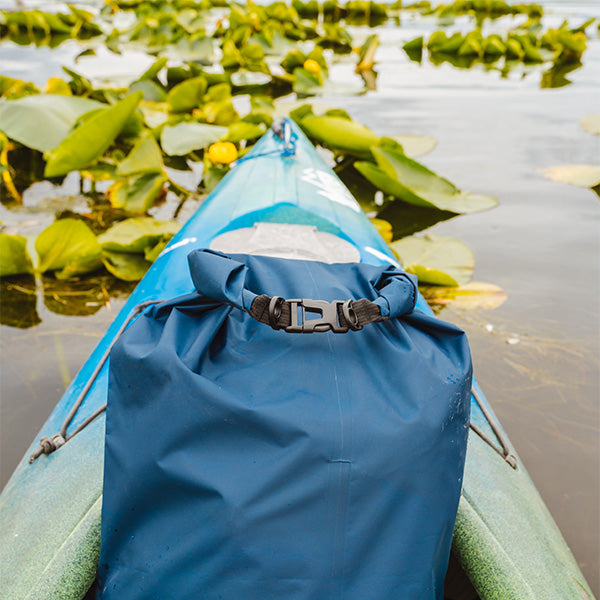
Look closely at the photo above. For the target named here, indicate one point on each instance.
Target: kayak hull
(505, 537)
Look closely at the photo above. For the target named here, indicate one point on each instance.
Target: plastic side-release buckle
(328, 320)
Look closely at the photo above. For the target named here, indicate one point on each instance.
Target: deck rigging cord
(276, 313)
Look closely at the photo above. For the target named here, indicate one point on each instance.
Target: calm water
(541, 245)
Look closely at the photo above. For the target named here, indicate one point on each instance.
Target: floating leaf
(436, 260)
(242, 130)
(416, 145)
(474, 294)
(91, 139)
(128, 267)
(187, 95)
(591, 123)
(137, 234)
(183, 138)
(587, 176)
(412, 182)
(151, 90)
(366, 54)
(137, 193)
(43, 121)
(155, 114)
(69, 247)
(154, 69)
(14, 258)
(340, 134)
(145, 156)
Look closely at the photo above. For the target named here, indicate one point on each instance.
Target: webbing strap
(337, 316)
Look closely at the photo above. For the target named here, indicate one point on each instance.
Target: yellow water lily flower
(312, 66)
(222, 153)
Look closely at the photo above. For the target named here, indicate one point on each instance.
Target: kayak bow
(505, 538)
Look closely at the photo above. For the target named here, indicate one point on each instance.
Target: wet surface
(537, 356)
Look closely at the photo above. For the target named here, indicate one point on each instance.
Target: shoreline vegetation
(222, 72)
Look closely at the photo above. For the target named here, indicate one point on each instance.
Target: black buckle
(328, 320)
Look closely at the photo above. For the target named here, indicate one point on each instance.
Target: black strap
(337, 316)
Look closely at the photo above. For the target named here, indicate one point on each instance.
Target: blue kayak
(280, 199)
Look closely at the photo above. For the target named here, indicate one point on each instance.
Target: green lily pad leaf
(128, 267)
(198, 49)
(145, 156)
(137, 234)
(91, 139)
(43, 121)
(340, 134)
(14, 258)
(151, 90)
(243, 130)
(212, 176)
(307, 83)
(416, 145)
(68, 247)
(155, 114)
(587, 176)
(435, 259)
(183, 138)
(244, 78)
(412, 182)
(187, 95)
(154, 69)
(591, 123)
(137, 193)
(152, 253)
(474, 294)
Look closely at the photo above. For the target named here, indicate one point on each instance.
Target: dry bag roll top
(248, 458)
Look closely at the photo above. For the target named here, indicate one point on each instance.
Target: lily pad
(187, 95)
(91, 139)
(14, 258)
(474, 294)
(69, 247)
(145, 156)
(243, 130)
(587, 176)
(183, 138)
(412, 182)
(151, 90)
(43, 121)
(436, 260)
(137, 234)
(416, 145)
(137, 193)
(340, 134)
(128, 267)
(591, 123)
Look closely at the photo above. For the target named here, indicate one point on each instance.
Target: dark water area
(537, 356)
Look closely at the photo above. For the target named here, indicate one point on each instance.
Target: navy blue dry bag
(245, 462)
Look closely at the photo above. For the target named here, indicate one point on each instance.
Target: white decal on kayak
(183, 242)
(382, 256)
(330, 187)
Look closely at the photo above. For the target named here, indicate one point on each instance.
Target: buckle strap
(337, 316)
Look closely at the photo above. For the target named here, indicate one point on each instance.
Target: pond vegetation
(222, 72)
